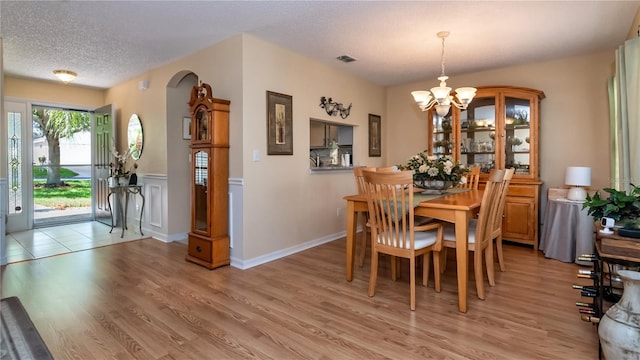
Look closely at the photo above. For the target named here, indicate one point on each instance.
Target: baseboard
(246, 264)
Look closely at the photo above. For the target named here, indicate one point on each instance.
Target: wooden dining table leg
(351, 236)
(462, 254)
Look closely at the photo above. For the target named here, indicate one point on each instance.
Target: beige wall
(52, 93)
(285, 204)
(574, 115)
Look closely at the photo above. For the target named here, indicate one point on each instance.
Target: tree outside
(56, 124)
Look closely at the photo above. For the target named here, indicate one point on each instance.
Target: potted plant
(620, 206)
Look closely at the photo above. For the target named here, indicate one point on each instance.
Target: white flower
(432, 158)
(423, 168)
(433, 171)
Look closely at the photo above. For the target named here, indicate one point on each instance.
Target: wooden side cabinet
(209, 235)
(499, 129)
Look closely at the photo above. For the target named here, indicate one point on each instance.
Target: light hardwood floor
(141, 299)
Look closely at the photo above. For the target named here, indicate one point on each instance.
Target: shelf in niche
(479, 129)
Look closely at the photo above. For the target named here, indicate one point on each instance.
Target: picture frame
(375, 136)
(186, 128)
(279, 124)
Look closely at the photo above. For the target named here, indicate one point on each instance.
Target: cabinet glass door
(478, 133)
(443, 136)
(200, 194)
(517, 134)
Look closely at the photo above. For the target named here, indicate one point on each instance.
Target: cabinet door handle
(198, 248)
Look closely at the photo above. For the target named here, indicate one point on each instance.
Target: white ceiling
(107, 42)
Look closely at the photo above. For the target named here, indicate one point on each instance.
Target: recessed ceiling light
(346, 58)
(65, 75)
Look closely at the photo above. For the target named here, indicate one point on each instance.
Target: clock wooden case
(209, 235)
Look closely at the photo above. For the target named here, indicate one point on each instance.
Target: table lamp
(577, 177)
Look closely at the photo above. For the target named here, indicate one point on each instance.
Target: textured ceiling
(107, 42)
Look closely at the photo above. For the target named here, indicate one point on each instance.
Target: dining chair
(497, 225)
(480, 235)
(358, 174)
(473, 178)
(393, 231)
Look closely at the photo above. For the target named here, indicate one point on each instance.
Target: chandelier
(440, 96)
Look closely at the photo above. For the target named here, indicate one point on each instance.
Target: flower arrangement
(119, 167)
(431, 167)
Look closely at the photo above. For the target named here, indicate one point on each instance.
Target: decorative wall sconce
(333, 108)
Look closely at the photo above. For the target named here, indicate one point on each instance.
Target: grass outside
(40, 172)
(74, 193)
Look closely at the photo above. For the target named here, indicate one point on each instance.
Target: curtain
(624, 109)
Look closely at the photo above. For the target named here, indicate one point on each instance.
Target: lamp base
(577, 193)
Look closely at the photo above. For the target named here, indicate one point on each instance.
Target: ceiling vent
(346, 58)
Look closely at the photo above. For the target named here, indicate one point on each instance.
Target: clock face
(202, 124)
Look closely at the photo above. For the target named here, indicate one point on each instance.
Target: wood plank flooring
(142, 300)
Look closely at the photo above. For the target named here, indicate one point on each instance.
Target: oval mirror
(135, 137)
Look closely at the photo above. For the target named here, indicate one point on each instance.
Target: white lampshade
(577, 177)
(441, 93)
(465, 95)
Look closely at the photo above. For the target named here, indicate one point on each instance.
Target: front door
(19, 182)
(103, 140)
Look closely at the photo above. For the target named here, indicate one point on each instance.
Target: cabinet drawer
(521, 190)
(200, 248)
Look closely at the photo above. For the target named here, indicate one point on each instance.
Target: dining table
(457, 207)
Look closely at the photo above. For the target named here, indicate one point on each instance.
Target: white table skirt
(567, 231)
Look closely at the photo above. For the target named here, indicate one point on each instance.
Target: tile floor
(56, 240)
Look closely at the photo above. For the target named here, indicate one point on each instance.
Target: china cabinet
(209, 235)
(499, 129)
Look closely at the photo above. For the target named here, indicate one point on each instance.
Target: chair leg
(443, 258)
(436, 267)
(394, 268)
(425, 268)
(412, 280)
(499, 250)
(488, 258)
(478, 271)
(365, 239)
(373, 277)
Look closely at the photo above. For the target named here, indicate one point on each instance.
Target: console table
(567, 232)
(122, 192)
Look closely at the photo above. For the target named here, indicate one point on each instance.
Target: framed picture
(279, 124)
(186, 128)
(374, 136)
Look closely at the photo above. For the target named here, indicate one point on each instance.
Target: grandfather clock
(209, 235)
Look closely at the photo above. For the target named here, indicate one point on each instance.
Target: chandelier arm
(459, 106)
(431, 104)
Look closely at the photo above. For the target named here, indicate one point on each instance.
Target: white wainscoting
(154, 217)
(236, 191)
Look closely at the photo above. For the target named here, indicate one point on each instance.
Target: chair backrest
(489, 207)
(390, 200)
(358, 173)
(473, 178)
(504, 189)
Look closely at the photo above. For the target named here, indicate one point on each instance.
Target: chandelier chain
(442, 58)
